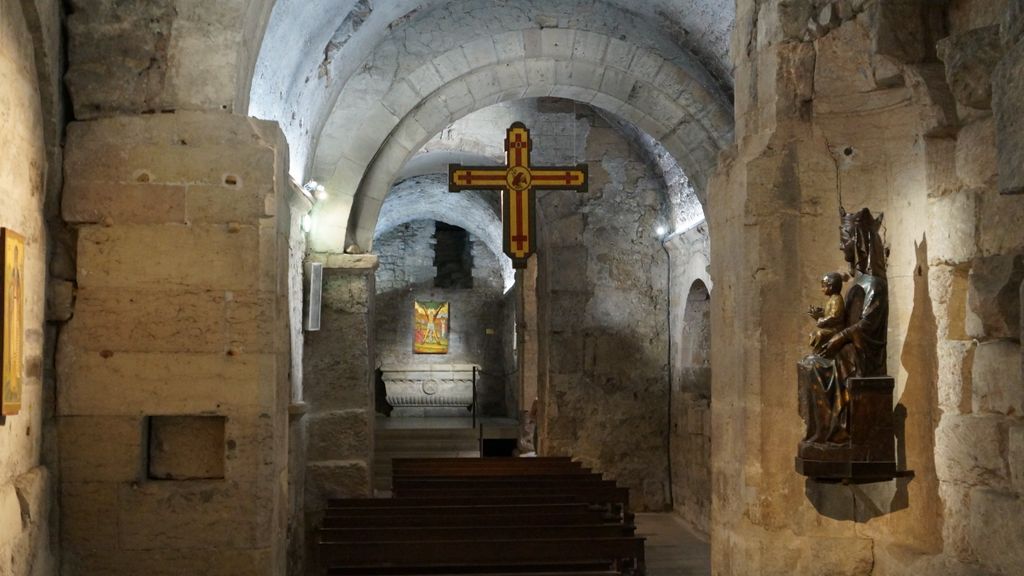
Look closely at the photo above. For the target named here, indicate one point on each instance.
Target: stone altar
(429, 389)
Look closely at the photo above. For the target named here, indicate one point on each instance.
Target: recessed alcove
(186, 447)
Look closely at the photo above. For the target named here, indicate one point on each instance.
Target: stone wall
(25, 482)
(604, 318)
(173, 372)
(690, 430)
(852, 97)
(338, 388)
(476, 326)
(162, 55)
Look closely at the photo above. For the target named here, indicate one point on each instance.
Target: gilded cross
(518, 182)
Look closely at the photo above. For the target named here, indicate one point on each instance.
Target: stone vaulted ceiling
(359, 86)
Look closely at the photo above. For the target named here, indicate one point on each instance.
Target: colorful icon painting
(12, 294)
(430, 327)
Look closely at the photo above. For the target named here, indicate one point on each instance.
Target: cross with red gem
(518, 181)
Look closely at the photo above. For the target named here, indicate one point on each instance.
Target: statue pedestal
(870, 453)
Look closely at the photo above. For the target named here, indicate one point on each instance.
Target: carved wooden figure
(845, 394)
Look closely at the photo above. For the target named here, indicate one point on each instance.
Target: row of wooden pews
(493, 516)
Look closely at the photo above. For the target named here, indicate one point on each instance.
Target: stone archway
(691, 410)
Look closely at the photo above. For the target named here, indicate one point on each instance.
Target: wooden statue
(845, 393)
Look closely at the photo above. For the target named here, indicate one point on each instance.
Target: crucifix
(518, 182)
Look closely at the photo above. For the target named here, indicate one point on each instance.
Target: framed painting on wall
(12, 294)
(430, 327)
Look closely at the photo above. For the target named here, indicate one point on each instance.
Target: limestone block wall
(476, 326)
(887, 103)
(173, 372)
(25, 480)
(690, 421)
(162, 55)
(603, 323)
(338, 376)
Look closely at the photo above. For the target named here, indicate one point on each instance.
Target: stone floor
(672, 548)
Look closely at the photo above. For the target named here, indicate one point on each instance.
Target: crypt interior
(231, 209)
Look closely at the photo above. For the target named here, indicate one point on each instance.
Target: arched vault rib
(321, 55)
(664, 102)
(427, 198)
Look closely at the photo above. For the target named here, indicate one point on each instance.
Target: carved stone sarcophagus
(429, 385)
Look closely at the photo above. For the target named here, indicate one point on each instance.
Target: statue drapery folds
(852, 348)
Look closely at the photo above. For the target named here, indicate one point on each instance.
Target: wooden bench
(483, 463)
(619, 553)
(485, 516)
(581, 515)
(491, 569)
(423, 533)
(467, 498)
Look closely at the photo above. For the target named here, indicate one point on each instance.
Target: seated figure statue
(856, 347)
(832, 317)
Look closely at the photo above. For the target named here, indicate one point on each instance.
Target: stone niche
(430, 389)
(186, 447)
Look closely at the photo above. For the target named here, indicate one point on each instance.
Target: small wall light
(307, 223)
(315, 189)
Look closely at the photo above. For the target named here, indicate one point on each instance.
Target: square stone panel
(186, 447)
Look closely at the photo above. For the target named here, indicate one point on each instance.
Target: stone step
(444, 433)
(384, 458)
(427, 445)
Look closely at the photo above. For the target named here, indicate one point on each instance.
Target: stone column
(1008, 100)
(338, 384)
(173, 371)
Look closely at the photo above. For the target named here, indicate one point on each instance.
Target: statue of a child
(832, 318)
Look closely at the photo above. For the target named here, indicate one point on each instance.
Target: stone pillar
(527, 333)
(173, 372)
(1008, 100)
(338, 384)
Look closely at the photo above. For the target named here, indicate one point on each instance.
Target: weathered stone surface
(170, 562)
(140, 320)
(956, 500)
(340, 435)
(969, 450)
(1000, 214)
(337, 365)
(127, 60)
(101, 449)
(844, 61)
(996, 382)
(1008, 106)
(345, 292)
(898, 30)
(29, 175)
(86, 511)
(197, 515)
(150, 383)
(60, 301)
(955, 371)
(186, 447)
(995, 535)
(976, 154)
(336, 479)
(1011, 28)
(994, 296)
(970, 58)
(162, 256)
(954, 241)
(1016, 456)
